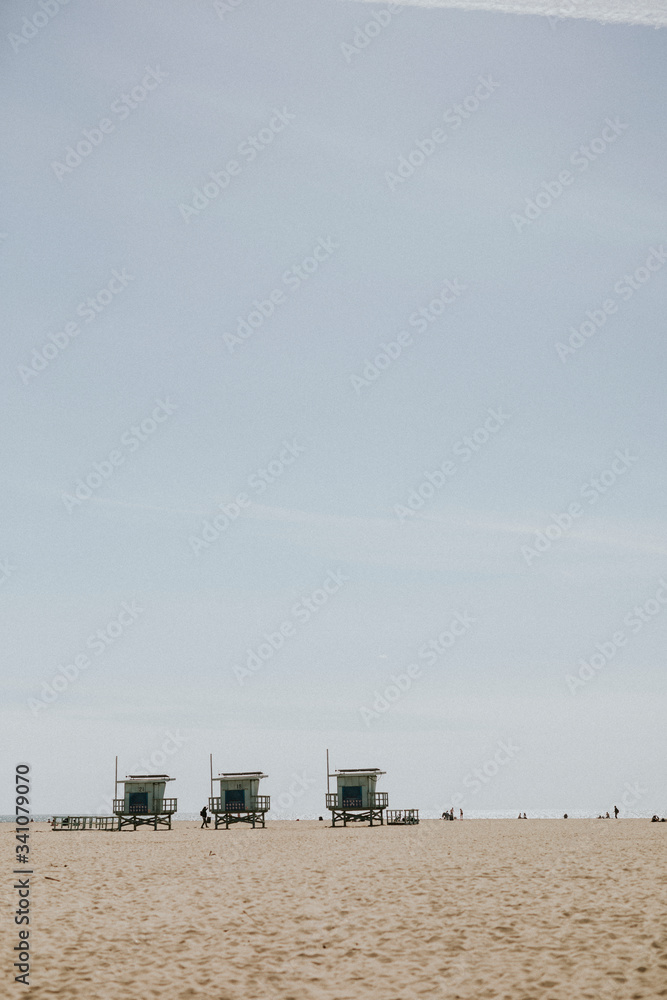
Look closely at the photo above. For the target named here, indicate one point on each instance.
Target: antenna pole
(115, 786)
(327, 772)
(210, 757)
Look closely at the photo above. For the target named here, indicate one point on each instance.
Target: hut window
(138, 802)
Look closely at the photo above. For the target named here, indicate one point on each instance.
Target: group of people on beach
(450, 814)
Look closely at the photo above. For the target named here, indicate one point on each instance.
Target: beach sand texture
(560, 910)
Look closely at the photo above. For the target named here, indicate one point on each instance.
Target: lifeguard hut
(239, 800)
(355, 799)
(144, 802)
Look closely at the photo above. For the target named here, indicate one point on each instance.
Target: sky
(332, 402)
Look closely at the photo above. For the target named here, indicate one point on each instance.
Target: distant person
(564, 815)
(607, 816)
(204, 818)
(460, 813)
(524, 816)
(616, 810)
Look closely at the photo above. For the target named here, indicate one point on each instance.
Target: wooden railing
(85, 823)
(256, 803)
(402, 817)
(159, 808)
(377, 800)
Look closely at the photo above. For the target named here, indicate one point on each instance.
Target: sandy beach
(298, 911)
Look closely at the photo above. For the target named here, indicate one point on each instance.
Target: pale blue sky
(333, 509)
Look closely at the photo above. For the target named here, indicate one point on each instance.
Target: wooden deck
(234, 812)
(352, 810)
(140, 816)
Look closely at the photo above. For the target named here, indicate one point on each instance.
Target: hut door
(351, 795)
(138, 802)
(235, 798)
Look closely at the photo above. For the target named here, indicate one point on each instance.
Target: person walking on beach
(204, 819)
(615, 812)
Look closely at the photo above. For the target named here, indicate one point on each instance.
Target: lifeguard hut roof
(145, 777)
(243, 774)
(361, 770)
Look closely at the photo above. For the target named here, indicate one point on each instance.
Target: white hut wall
(148, 794)
(354, 787)
(238, 791)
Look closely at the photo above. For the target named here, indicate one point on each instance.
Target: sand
(564, 910)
